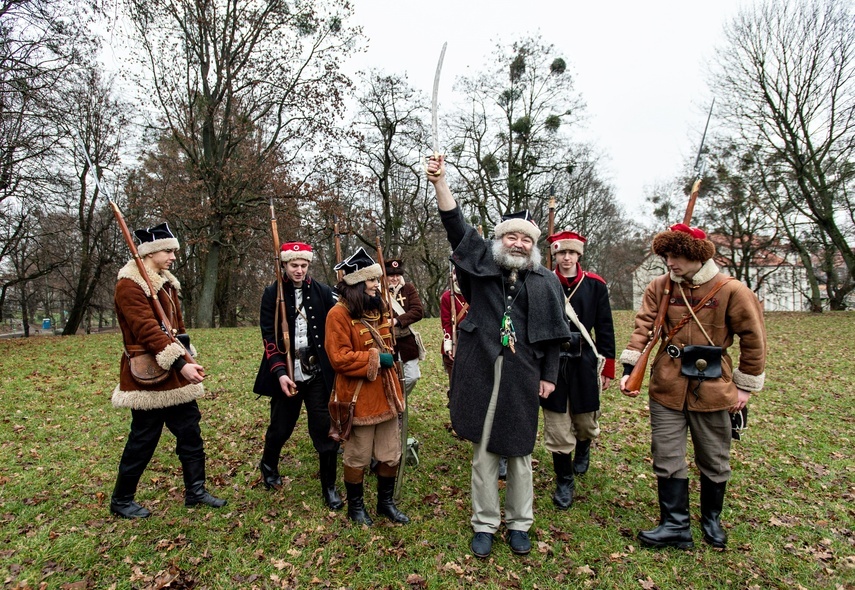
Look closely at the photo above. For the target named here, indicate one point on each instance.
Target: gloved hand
(386, 360)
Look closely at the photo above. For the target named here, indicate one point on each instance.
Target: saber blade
(434, 124)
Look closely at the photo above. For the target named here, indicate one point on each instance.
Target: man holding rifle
(693, 383)
(571, 413)
(307, 303)
(165, 390)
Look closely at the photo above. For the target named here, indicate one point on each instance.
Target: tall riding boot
(385, 495)
(353, 478)
(712, 500)
(122, 502)
(269, 467)
(565, 484)
(328, 473)
(583, 456)
(194, 485)
(674, 529)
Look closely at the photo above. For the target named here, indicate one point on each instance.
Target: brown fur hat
(682, 240)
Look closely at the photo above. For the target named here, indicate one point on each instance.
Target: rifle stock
(280, 296)
(636, 378)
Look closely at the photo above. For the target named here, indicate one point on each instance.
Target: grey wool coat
(538, 317)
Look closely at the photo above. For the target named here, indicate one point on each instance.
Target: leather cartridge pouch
(572, 348)
(143, 366)
(308, 361)
(701, 362)
(341, 415)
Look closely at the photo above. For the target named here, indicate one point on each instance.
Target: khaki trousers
(382, 441)
(561, 430)
(519, 489)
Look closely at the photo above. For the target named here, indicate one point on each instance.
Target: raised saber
(434, 110)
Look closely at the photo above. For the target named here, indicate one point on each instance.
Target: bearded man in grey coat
(507, 359)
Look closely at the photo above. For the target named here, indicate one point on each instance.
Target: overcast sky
(640, 66)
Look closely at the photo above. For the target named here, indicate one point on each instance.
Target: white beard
(508, 261)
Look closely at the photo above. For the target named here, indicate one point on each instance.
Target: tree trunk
(207, 295)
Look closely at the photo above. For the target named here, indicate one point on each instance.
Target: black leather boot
(328, 473)
(356, 503)
(674, 529)
(582, 459)
(122, 501)
(270, 476)
(269, 467)
(194, 485)
(712, 501)
(565, 484)
(386, 501)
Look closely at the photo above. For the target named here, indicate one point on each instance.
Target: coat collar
(132, 272)
(708, 272)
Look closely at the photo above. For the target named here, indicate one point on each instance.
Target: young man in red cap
(694, 385)
(307, 303)
(507, 359)
(571, 413)
(170, 402)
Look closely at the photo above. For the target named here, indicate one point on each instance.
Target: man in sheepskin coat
(171, 401)
(705, 308)
(507, 360)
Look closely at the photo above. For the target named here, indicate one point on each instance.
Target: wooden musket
(129, 240)
(281, 310)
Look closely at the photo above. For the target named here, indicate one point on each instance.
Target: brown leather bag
(144, 367)
(341, 415)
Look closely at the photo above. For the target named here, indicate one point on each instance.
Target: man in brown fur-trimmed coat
(705, 308)
(172, 401)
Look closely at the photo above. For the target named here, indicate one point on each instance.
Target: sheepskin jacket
(734, 310)
(140, 327)
(355, 357)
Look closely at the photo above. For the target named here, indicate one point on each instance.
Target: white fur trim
(153, 400)
(708, 271)
(748, 382)
(287, 255)
(132, 272)
(629, 357)
(363, 274)
(517, 225)
(573, 245)
(169, 355)
(157, 245)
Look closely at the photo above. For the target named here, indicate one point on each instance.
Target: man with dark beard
(358, 344)
(507, 359)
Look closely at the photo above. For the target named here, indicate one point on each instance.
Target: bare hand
(606, 381)
(193, 373)
(435, 168)
(623, 388)
(546, 388)
(742, 398)
(289, 388)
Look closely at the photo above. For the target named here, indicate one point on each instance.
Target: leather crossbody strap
(695, 309)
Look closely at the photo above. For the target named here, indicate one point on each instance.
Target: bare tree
(511, 143)
(786, 80)
(235, 82)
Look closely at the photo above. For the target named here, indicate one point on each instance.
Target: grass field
(789, 511)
